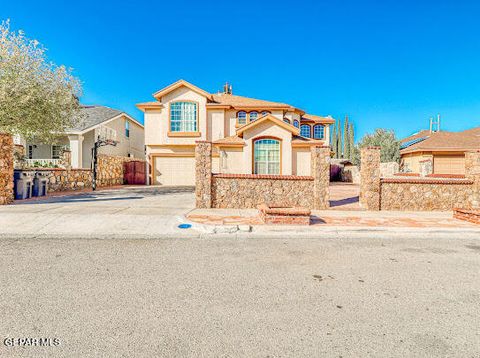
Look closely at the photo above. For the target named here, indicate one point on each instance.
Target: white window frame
(187, 113)
(244, 119)
(323, 131)
(59, 149)
(309, 130)
(268, 161)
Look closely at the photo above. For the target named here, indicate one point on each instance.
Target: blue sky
(390, 64)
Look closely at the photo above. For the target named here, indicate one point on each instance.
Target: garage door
(449, 164)
(174, 171)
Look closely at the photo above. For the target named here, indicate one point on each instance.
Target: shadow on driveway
(127, 193)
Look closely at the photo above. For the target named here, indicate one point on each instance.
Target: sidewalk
(339, 224)
(323, 218)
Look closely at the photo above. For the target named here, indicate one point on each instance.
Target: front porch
(51, 155)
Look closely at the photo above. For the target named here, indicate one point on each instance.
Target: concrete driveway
(143, 210)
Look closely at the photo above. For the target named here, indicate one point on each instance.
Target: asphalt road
(241, 297)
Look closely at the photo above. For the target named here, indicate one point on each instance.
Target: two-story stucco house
(250, 136)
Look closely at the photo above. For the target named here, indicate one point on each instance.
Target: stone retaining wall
(426, 194)
(67, 180)
(6, 169)
(251, 190)
(248, 191)
(415, 192)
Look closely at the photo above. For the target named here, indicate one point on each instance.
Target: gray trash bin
(23, 184)
(40, 184)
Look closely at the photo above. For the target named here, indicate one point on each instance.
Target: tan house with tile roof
(446, 150)
(250, 136)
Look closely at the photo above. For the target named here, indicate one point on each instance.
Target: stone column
(370, 178)
(76, 147)
(67, 159)
(426, 167)
(472, 172)
(6, 169)
(203, 174)
(320, 171)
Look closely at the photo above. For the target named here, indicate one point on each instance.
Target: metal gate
(134, 173)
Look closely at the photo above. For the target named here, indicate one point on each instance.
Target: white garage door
(174, 171)
(449, 164)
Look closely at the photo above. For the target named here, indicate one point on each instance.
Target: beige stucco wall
(231, 161)
(301, 161)
(133, 145)
(157, 121)
(268, 129)
(411, 162)
(216, 124)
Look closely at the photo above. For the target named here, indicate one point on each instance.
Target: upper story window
(241, 117)
(264, 113)
(319, 131)
(127, 129)
(183, 117)
(305, 130)
(253, 116)
(286, 120)
(295, 123)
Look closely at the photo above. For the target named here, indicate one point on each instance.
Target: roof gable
(271, 118)
(93, 116)
(178, 84)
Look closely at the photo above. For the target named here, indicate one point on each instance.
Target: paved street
(242, 297)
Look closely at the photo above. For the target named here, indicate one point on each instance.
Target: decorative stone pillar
(67, 159)
(426, 167)
(203, 174)
(320, 170)
(6, 169)
(472, 172)
(370, 178)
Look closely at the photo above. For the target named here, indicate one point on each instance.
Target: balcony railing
(46, 163)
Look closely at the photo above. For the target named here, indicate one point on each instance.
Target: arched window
(286, 120)
(183, 116)
(266, 159)
(295, 123)
(264, 113)
(253, 116)
(319, 131)
(305, 131)
(241, 118)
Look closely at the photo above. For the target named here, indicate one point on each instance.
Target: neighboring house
(446, 150)
(96, 120)
(250, 136)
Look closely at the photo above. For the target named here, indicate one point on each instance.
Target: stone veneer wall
(425, 194)
(6, 169)
(66, 180)
(203, 174)
(418, 193)
(250, 190)
(110, 169)
(370, 178)
(320, 170)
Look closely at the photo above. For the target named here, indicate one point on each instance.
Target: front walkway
(344, 196)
